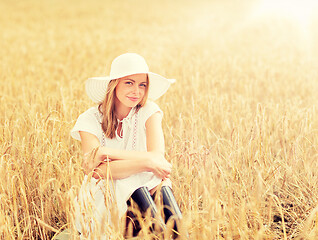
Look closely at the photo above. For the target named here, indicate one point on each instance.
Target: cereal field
(240, 123)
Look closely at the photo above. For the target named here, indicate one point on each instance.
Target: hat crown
(128, 64)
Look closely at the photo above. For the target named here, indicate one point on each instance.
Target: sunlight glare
(299, 11)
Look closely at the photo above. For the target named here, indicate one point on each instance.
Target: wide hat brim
(96, 86)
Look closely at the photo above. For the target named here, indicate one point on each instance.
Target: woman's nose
(136, 89)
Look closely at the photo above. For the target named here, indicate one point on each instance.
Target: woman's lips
(134, 99)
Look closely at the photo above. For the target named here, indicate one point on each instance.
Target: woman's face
(130, 90)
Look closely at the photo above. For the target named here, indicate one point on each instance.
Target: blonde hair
(107, 108)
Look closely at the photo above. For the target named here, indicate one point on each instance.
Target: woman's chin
(132, 104)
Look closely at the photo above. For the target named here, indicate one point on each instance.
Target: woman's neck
(121, 111)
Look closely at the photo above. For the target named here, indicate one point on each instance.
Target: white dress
(97, 198)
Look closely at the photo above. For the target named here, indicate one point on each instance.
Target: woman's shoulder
(87, 122)
(92, 113)
(150, 105)
(149, 109)
(91, 110)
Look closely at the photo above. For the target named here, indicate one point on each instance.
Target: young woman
(123, 145)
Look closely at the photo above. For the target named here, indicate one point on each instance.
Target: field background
(240, 123)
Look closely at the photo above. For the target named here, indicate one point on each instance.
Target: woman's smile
(133, 99)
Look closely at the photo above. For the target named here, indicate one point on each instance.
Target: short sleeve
(149, 109)
(86, 122)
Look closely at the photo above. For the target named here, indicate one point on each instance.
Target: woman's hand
(159, 166)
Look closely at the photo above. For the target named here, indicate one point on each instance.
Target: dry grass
(240, 123)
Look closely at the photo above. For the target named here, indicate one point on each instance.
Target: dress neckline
(126, 123)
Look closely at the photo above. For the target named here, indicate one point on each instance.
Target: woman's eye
(143, 85)
(129, 83)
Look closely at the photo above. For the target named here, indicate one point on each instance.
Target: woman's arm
(125, 163)
(119, 169)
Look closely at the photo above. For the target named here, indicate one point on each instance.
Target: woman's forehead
(140, 77)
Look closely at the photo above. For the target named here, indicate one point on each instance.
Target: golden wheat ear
(89, 159)
(93, 154)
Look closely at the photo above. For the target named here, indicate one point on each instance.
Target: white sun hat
(125, 65)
